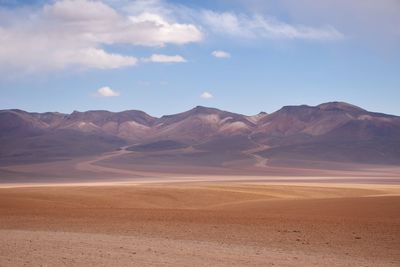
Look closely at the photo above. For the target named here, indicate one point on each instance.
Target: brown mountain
(130, 125)
(201, 124)
(334, 131)
(330, 132)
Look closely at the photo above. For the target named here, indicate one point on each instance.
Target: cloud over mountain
(159, 58)
(206, 95)
(107, 92)
(221, 54)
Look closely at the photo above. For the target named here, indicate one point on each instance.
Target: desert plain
(201, 220)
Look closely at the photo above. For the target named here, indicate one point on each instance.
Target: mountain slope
(331, 132)
(201, 124)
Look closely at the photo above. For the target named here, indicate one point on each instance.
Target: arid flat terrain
(200, 223)
(150, 209)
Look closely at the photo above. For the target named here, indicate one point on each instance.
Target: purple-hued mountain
(336, 132)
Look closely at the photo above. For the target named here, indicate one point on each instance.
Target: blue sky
(165, 57)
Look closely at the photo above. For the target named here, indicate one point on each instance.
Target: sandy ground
(201, 223)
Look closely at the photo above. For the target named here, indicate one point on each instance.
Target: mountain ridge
(295, 132)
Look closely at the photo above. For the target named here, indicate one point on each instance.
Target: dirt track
(90, 165)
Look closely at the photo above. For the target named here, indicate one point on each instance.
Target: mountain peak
(202, 109)
(294, 109)
(341, 106)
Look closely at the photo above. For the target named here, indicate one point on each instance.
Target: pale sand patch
(320, 181)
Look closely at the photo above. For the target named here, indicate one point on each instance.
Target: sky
(165, 57)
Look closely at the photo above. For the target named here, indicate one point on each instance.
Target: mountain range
(330, 132)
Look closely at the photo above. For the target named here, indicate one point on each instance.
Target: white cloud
(221, 54)
(153, 30)
(158, 58)
(75, 33)
(107, 92)
(258, 26)
(94, 58)
(206, 95)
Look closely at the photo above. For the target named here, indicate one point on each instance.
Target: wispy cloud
(159, 58)
(206, 95)
(239, 24)
(258, 26)
(221, 54)
(365, 21)
(107, 92)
